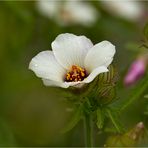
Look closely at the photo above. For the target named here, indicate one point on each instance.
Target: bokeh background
(34, 115)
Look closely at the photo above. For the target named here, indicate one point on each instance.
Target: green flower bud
(106, 84)
(131, 138)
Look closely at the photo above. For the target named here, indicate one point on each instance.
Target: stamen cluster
(75, 74)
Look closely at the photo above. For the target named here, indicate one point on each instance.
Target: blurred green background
(32, 114)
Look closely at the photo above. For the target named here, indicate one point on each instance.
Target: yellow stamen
(76, 73)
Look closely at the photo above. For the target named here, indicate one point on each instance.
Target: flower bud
(106, 85)
(131, 138)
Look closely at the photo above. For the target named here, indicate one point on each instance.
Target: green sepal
(106, 93)
(79, 95)
(100, 118)
(74, 120)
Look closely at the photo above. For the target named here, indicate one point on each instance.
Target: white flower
(74, 61)
(48, 8)
(131, 10)
(69, 12)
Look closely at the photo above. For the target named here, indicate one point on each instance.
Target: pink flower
(135, 72)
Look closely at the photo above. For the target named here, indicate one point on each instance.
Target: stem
(136, 95)
(88, 130)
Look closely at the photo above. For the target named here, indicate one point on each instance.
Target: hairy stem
(88, 130)
(136, 95)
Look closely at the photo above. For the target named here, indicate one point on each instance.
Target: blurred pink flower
(135, 72)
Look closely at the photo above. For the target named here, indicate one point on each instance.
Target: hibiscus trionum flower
(74, 61)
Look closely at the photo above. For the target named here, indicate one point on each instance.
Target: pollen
(76, 73)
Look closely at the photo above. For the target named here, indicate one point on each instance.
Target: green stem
(136, 95)
(88, 130)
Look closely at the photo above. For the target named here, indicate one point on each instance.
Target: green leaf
(113, 115)
(100, 118)
(75, 119)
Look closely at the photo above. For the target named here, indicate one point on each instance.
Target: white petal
(45, 66)
(70, 49)
(99, 55)
(75, 84)
(48, 82)
(94, 73)
(55, 83)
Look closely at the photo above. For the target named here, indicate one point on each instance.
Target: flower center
(75, 74)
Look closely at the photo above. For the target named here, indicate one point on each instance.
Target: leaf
(113, 115)
(100, 118)
(75, 119)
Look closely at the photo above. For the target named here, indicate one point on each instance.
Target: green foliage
(129, 138)
(100, 118)
(74, 120)
(146, 108)
(23, 33)
(114, 117)
(136, 93)
(6, 135)
(146, 96)
(106, 113)
(145, 31)
(101, 94)
(119, 141)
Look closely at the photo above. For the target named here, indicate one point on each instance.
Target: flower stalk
(88, 130)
